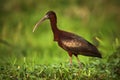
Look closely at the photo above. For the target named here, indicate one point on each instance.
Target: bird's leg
(70, 60)
(78, 61)
(70, 54)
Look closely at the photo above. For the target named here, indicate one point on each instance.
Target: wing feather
(75, 43)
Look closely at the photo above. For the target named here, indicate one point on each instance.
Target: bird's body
(77, 45)
(70, 42)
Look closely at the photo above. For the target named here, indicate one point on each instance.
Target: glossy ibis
(72, 43)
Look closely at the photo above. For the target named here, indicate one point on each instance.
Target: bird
(70, 42)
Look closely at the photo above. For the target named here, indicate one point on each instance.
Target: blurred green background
(98, 21)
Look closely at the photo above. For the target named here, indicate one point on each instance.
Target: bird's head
(49, 15)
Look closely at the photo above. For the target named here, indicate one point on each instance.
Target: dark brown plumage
(70, 42)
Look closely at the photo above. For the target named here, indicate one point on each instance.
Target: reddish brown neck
(55, 30)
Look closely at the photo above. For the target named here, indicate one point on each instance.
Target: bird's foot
(80, 65)
(70, 65)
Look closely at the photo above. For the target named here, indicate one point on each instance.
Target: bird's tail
(97, 54)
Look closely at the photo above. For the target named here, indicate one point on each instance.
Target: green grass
(31, 56)
(91, 71)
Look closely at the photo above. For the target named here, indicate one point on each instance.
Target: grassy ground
(32, 56)
(94, 70)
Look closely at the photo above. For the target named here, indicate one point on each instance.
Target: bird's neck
(55, 30)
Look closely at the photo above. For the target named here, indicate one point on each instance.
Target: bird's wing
(75, 43)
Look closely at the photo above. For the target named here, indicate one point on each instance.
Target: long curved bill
(40, 21)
